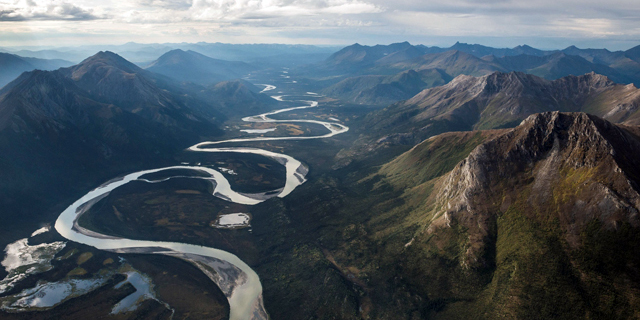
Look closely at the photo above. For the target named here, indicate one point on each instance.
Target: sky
(545, 24)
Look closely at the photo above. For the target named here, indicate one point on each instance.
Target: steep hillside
(536, 222)
(546, 210)
(195, 67)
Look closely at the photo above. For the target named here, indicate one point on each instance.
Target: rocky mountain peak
(102, 62)
(545, 157)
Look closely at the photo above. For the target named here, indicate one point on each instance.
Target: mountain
(504, 223)
(535, 222)
(238, 97)
(502, 100)
(556, 65)
(384, 90)
(452, 62)
(195, 67)
(111, 79)
(408, 53)
(481, 51)
(356, 56)
(11, 66)
(525, 49)
(633, 53)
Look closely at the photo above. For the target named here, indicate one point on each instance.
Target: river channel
(240, 284)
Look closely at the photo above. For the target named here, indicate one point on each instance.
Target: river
(240, 284)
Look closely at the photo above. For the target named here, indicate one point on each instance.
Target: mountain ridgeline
(198, 68)
(349, 70)
(501, 100)
(540, 221)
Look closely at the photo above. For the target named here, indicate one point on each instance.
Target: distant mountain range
(353, 62)
(145, 53)
(11, 66)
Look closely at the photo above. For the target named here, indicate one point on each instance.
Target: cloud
(165, 4)
(343, 21)
(43, 10)
(156, 11)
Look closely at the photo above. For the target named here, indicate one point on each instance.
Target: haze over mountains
(145, 53)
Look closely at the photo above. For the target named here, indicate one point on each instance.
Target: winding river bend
(240, 284)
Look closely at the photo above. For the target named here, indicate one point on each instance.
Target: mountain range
(351, 67)
(501, 100)
(383, 89)
(146, 52)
